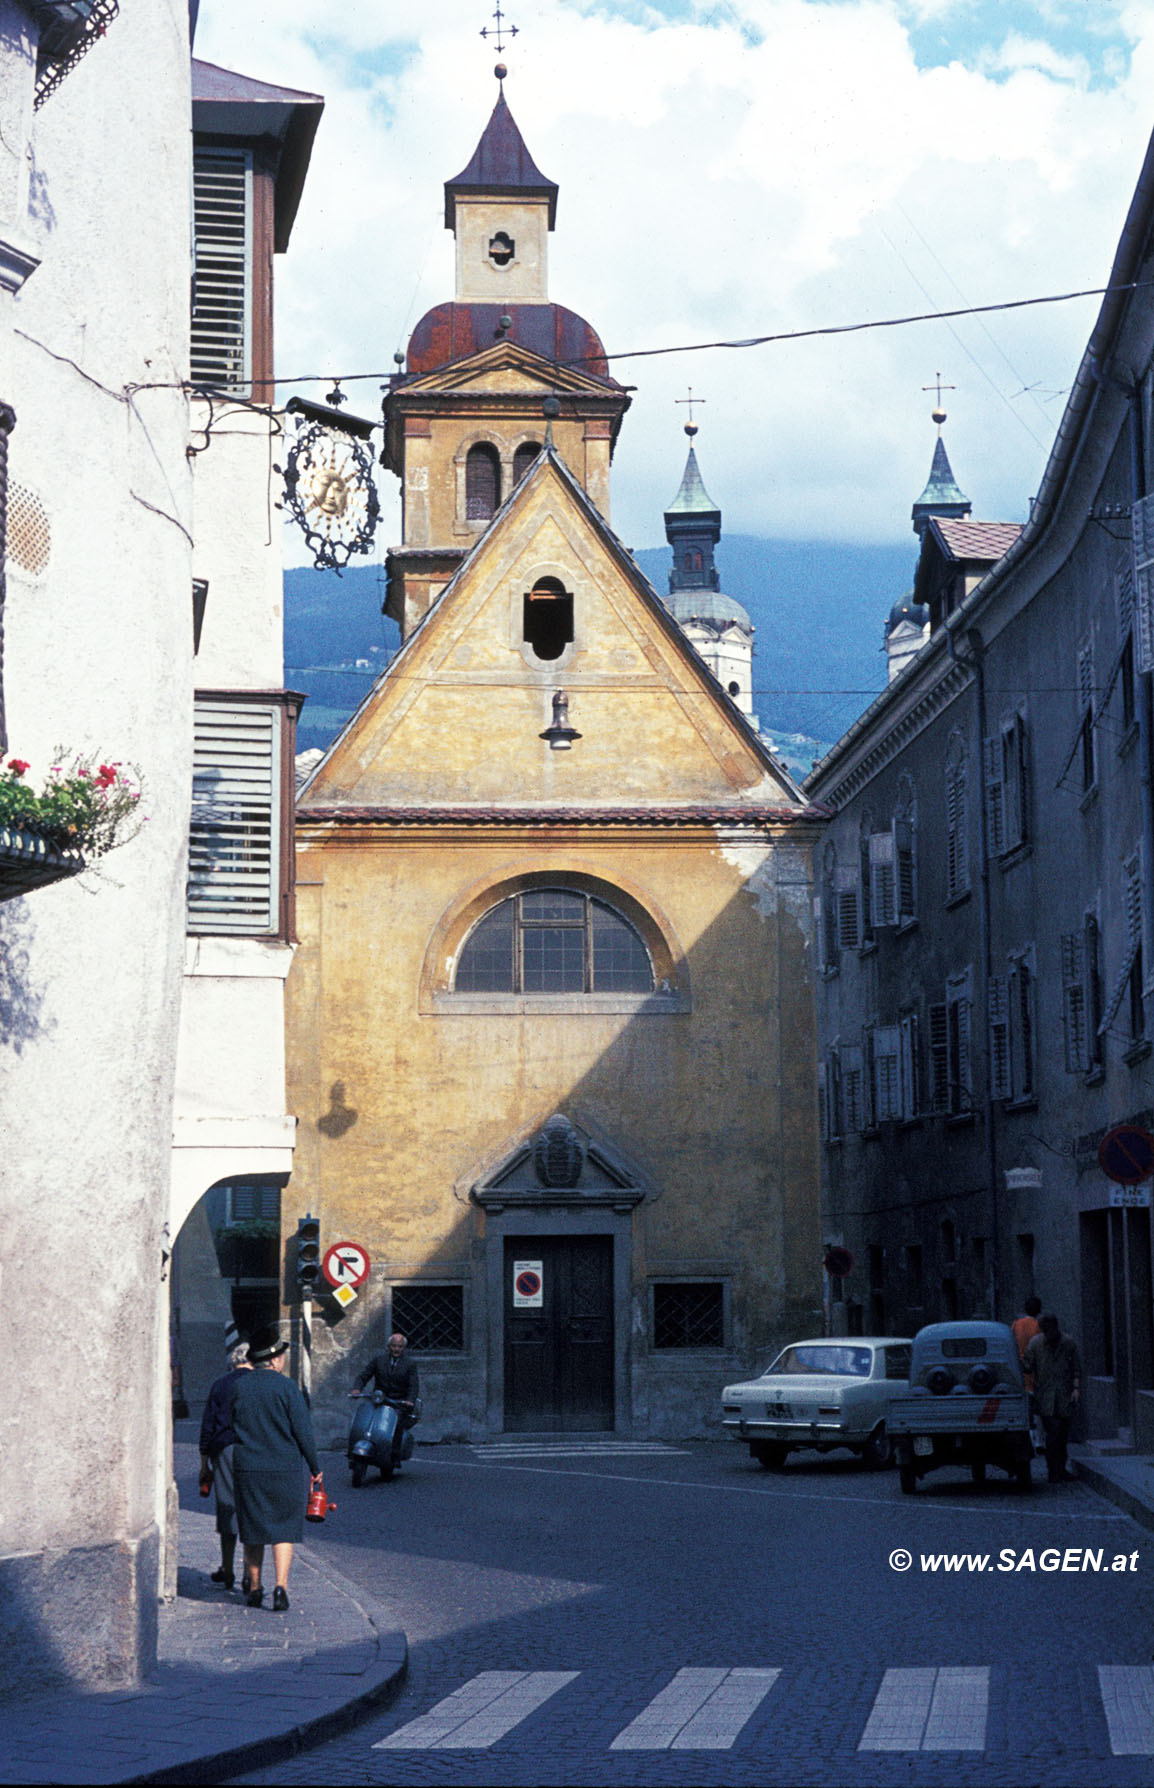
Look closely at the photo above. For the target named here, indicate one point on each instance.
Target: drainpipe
(975, 662)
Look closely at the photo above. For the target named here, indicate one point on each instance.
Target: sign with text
(528, 1284)
(1133, 1198)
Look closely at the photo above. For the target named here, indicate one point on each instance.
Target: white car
(826, 1393)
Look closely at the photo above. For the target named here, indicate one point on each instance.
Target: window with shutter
(999, 1011)
(882, 884)
(887, 1050)
(822, 1103)
(833, 1095)
(1022, 1064)
(1142, 546)
(910, 1067)
(1092, 962)
(865, 876)
(905, 866)
(1134, 940)
(851, 1090)
(995, 809)
(1015, 782)
(234, 840)
(847, 909)
(831, 949)
(1074, 1001)
(957, 821)
(958, 1003)
(1086, 703)
(221, 354)
(818, 934)
(939, 1058)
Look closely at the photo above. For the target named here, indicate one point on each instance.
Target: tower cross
(690, 426)
(499, 30)
(939, 415)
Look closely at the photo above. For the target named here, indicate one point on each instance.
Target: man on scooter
(397, 1377)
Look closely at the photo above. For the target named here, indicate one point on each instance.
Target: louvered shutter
(905, 892)
(1015, 775)
(818, 935)
(887, 1047)
(999, 1015)
(851, 1089)
(962, 1075)
(957, 849)
(1124, 595)
(1074, 1002)
(1142, 540)
(233, 858)
(909, 1065)
(222, 269)
(995, 798)
(939, 1058)
(847, 909)
(882, 885)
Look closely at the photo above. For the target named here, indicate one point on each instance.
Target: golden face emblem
(330, 491)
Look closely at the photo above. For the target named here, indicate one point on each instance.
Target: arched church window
(482, 481)
(554, 940)
(548, 618)
(524, 457)
(502, 248)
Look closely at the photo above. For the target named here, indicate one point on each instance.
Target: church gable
(506, 366)
(547, 601)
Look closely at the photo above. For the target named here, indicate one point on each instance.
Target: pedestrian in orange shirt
(1025, 1328)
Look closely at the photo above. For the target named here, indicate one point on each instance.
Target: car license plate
(923, 1445)
(778, 1412)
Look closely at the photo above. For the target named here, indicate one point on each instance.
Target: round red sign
(838, 1263)
(528, 1284)
(1126, 1155)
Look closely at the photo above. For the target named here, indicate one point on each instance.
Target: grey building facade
(985, 1000)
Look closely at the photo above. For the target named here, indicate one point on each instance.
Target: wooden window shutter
(851, 1089)
(1074, 1001)
(995, 798)
(887, 1052)
(939, 1058)
(847, 909)
(905, 887)
(234, 841)
(882, 884)
(221, 354)
(1142, 541)
(999, 1016)
(911, 1090)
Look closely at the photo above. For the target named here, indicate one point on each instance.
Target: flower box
(28, 861)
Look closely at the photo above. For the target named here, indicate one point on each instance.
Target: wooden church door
(558, 1334)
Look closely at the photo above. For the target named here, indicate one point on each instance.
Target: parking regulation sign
(346, 1263)
(528, 1284)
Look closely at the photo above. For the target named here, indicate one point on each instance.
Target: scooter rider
(396, 1376)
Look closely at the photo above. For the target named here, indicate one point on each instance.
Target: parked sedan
(827, 1393)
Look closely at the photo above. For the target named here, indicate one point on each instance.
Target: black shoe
(255, 1597)
(224, 1577)
(280, 1600)
(245, 1584)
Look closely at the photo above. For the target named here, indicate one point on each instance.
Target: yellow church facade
(551, 1032)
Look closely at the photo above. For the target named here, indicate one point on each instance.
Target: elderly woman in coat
(274, 1431)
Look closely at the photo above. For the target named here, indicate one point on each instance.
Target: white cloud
(788, 165)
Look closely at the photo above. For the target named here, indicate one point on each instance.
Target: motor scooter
(378, 1436)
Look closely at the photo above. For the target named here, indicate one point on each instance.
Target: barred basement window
(431, 1316)
(222, 269)
(689, 1315)
(234, 838)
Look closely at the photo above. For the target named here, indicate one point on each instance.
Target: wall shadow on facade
(709, 1109)
(21, 1002)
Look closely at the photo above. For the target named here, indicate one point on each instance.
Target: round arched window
(482, 481)
(554, 940)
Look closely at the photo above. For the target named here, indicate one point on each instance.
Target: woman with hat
(273, 1430)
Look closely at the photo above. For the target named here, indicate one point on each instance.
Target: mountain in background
(818, 609)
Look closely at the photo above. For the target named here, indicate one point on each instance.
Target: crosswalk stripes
(700, 1710)
(1128, 1703)
(478, 1714)
(929, 1710)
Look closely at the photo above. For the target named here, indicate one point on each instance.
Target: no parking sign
(528, 1284)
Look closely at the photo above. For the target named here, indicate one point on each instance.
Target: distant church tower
(908, 626)
(716, 626)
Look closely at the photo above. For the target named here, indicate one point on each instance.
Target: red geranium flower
(17, 765)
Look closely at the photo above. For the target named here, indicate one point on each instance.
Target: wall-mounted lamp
(560, 734)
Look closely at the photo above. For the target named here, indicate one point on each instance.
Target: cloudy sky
(730, 168)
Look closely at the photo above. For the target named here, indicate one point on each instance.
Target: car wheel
(770, 1454)
(878, 1451)
(978, 1471)
(908, 1478)
(358, 1468)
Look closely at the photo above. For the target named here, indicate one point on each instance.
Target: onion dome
(906, 609)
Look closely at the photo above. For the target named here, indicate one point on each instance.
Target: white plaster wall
(238, 547)
(524, 279)
(98, 657)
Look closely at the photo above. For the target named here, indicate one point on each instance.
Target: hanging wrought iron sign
(329, 484)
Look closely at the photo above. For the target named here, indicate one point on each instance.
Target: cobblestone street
(674, 1614)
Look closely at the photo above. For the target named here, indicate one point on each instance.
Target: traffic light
(308, 1255)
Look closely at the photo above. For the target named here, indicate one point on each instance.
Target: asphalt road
(681, 1616)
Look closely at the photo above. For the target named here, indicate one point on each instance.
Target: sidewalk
(236, 1689)
(1126, 1479)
